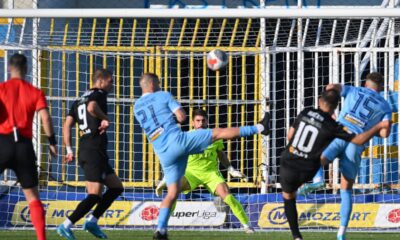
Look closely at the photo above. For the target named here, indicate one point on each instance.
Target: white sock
(260, 128)
(92, 218)
(342, 230)
(67, 223)
(162, 230)
(245, 226)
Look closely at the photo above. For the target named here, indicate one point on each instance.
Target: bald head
(149, 82)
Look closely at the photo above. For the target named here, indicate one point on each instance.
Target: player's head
(375, 81)
(18, 65)
(329, 100)
(149, 82)
(199, 119)
(103, 79)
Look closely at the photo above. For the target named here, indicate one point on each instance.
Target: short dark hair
(151, 76)
(19, 62)
(376, 78)
(331, 97)
(101, 73)
(199, 112)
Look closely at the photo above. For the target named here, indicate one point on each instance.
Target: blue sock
(163, 217)
(247, 131)
(345, 207)
(319, 177)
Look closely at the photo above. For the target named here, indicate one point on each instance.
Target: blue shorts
(180, 145)
(349, 155)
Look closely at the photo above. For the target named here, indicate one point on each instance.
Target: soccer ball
(216, 60)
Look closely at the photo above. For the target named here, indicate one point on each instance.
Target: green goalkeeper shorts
(209, 179)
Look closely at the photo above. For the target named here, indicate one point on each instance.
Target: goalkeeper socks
(105, 202)
(292, 217)
(237, 209)
(84, 207)
(163, 220)
(345, 207)
(38, 219)
(247, 131)
(319, 177)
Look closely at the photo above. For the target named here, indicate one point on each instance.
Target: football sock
(67, 223)
(108, 198)
(247, 131)
(345, 207)
(38, 218)
(92, 218)
(237, 209)
(319, 177)
(292, 217)
(84, 207)
(163, 220)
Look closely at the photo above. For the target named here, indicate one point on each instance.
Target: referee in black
(310, 134)
(90, 113)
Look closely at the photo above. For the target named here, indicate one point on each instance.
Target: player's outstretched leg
(115, 189)
(318, 184)
(245, 131)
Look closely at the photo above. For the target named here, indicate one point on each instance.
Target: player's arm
(291, 133)
(223, 158)
(69, 123)
(48, 130)
(366, 136)
(176, 108)
(94, 109)
(180, 115)
(387, 123)
(385, 130)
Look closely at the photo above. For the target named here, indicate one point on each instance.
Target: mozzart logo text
(321, 215)
(277, 216)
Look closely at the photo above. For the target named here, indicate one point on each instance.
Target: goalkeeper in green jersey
(202, 169)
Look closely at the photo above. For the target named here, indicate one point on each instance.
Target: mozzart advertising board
(328, 216)
(264, 215)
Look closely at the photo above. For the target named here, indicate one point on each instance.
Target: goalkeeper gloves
(236, 174)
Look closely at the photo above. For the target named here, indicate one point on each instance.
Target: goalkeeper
(202, 169)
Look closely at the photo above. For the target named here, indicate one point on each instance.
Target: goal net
(276, 64)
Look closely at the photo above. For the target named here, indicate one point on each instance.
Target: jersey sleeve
(97, 96)
(388, 113)
(41, 101)
(340, 131)
(346, 90)
(298, 119)
(72, 110)
(172, 103)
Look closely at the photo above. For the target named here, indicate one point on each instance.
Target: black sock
(108, 198)
(84, 207)
(291, 215)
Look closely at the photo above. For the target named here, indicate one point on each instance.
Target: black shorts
(94, 163)
(19, 157)
(291, 179)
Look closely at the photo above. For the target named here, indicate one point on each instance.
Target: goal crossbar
(330, 12)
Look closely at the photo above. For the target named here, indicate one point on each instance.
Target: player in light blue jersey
(155, 111)
(363, 108)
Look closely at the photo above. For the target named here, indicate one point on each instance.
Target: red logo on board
(394, 216)
(150, 213)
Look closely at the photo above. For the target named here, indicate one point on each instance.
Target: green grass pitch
(197, 235)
